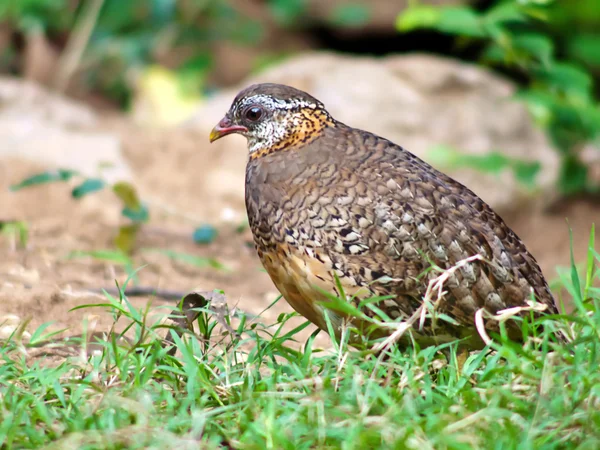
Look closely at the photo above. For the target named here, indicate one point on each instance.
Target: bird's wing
(405, 213)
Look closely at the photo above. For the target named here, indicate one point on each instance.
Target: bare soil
(41, 283)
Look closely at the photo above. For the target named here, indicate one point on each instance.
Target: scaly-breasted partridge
(326, 200)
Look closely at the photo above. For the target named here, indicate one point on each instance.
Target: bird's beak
(225, 127)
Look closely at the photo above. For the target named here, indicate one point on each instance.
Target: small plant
(17, 232)
(559, 94)
(133, 210)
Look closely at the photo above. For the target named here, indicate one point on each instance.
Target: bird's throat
(304, 127)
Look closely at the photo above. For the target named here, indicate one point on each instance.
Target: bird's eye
(254, 113)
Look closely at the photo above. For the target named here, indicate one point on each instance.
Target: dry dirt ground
(41, 283)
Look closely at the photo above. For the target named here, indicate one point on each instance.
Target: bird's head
(273, 117)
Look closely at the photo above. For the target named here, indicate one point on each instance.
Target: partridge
(333, 208)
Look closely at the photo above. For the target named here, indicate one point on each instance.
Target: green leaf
(162, 12)
(505, 12)
(337, 304)
(126, 239)
(242, 227)
(567, 77)
(134, 209)
(38, 335)
(331, 330)
(539, 104)
(60, 393)
(573, 175)
(537, 9)
(462, 21)
(204, 234)
(87, 187)
(590, 263)
(16, 229)
(418, 17)
(286, 12)
(526, 172)
(495, 54)
(194, 260)
(112, 256)
(585, 47)
(128, 195)
(575, 276)
(537, 45)
(139, 214)
(492, 162)
(202, 62)
(45, 177)
(350, 15)
(247, 32)
(192, 74)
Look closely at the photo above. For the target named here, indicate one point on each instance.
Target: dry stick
(143, 291)
(503, 315)
(70, 58)
(436, 285)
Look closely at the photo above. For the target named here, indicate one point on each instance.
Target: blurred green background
(102, 50)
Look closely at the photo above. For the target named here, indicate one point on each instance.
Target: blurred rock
(417, 101)
(24, 99)
(179, 173)
(52, 131)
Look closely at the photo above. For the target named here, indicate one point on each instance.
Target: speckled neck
(294, 132)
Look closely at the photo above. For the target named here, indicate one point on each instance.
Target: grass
(256, 391)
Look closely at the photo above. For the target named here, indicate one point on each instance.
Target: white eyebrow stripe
(277, 103)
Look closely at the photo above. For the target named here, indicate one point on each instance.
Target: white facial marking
(267, 133)
(277, 103)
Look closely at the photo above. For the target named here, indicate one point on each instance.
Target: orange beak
(225, 127)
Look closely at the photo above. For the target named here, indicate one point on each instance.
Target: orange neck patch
(305, 126)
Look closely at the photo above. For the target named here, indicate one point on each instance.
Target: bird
(337, 212)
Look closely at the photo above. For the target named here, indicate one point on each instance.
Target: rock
(417, 101)
(24, 99)
(43, 127)
(90, 153)
(179, 173)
